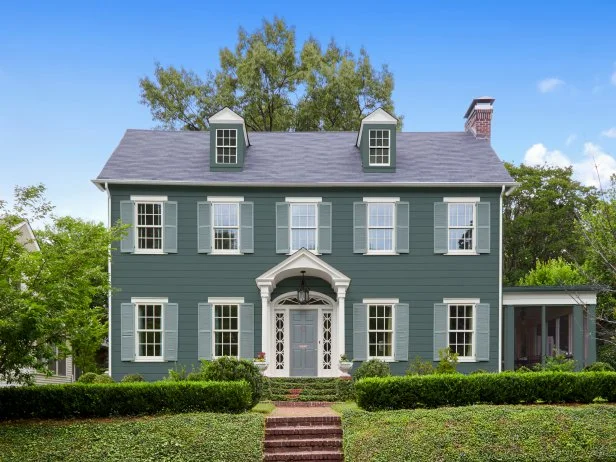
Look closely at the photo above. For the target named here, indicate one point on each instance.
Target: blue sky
(69, 75)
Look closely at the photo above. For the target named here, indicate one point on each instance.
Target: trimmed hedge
(504, 388)
(119, 399)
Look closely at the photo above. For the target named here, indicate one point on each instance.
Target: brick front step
(304, 443)
(303, 431)
(301, 421)
(302, 403)
(304, 455)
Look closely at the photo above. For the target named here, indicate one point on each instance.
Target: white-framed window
(57, 366)
(149, 331)
(461, 225)
(226, 227)
(149, 226)
(381, 227)
(303, 226)
(378, 147)
(461, 332)
(226, 330)
(226, 146)
(381, 331)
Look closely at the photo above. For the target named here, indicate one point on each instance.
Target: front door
(304, 343)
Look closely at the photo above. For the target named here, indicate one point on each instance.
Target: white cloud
(610, 133)
(550, 84)
(594, 169)
(570, 139)
(614, 78)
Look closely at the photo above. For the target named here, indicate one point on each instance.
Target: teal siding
(364, 148)
(420, 278)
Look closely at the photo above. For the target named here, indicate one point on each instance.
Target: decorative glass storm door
(304, 350)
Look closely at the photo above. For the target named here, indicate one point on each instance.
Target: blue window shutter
(360, 332)
(441, 322)
(204, 227)
(170, 234)
(482, 331)
(441, 210)
(204, 324)
(401, 348)
(282, 227)
(247, 330)
(402, 227)
(325, 227)
(483, 227)
(127, 327)
(127, 217)
(247, 238)
(170, 340)
(360, 227)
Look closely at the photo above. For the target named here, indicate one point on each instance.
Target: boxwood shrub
(504, 388)
(119, 399)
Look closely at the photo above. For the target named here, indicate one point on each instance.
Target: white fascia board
(380, 301)
(225, 199)
(381, 200)
(227, 116)
(149, 300)
(461, 199)
(225, 300)
(149, 198)
(461, 301)
(563, 298)
(303, 200)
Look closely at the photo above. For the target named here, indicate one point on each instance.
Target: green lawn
(504, 433)
(181, 437)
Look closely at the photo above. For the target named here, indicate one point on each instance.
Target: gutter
(500, 278)
(109, 276)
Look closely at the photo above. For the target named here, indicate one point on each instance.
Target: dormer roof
(379, 116)
(227, 116)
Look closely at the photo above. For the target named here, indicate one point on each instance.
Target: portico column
(341, 294)
(265, 326)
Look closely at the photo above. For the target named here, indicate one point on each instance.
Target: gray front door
(304, 343)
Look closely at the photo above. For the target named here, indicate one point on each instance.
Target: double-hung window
(149, 226)
(381, 226)
(303, 227)
(226, 330)
(57, 366)
(379, 147)
(303, 223)
(226, 146)
(149, 331)
(380, 331)
(461, 227)
(461, 330)
(226, 227)
(152, 224)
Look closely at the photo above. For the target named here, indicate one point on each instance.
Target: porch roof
(550, 295)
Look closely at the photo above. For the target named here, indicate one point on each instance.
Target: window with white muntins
(149, 225)
(461, 227)
(149, 331)
(378, 147)
(226, 227)
(381, 227)
(226, 146)
(461, 330)
(303, 227)
(226, 330)
(380, 331)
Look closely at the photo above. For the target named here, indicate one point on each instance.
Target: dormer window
(379, 147)
(226, 146)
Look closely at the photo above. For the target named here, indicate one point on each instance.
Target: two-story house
(306, 246)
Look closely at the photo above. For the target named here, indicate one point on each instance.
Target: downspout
(500, 282)
(109, 276)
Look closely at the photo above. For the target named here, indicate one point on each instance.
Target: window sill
(219, 252)
(461, 253)
(149, 252)
(382, 253)
(384, 360)
(467, 360)
(149, 360)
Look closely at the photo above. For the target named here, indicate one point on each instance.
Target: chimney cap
(482, 99)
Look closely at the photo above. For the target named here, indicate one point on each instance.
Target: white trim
(213, 320)
(381, 200)
(303, 200)
(152, 300)
(316, 249)
(564, 298)
(461, 199)
(388, 147)
(457, 200)
(381, 301)
(501, 359)
(225, 199)
(378, 116)
(109, 281)
(227, 116)
(225, 300)
(149, 198)
(149, 252)
(225, 146)
(461, 301)
(394, 227)
(148, 359)
(149, 301)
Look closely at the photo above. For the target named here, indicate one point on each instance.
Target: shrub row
(118, 399)
(504, 388)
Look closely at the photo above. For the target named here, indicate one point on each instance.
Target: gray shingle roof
(303, 158)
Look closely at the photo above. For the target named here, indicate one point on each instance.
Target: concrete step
(304, 431)
(306, 443)
(304, 455)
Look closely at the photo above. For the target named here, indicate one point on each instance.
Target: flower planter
(345, 367)
(261, 365)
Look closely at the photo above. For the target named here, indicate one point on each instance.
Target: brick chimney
(479, 118)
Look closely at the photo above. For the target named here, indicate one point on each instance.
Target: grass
(182, 437)
(481, 433)
(263, 407)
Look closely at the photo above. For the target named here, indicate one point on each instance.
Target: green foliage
(481, 433)
(103, 378)
(307, 389)
(419, 367)
(88, 377)
(479, 371)
(540, 218)
(183, 437)
(273, 85)
(504, 388)
(372, 368)
(132, 378)
(556, 363)
(104, 400)
(607, 354)
(177, 374)
(448, 362)
(52, 290)
(599, 367)
(232, 369)
(554, 272)
(524, 370)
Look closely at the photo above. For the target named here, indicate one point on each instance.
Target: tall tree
(46, 296)
(272, 85)
(540, 217)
